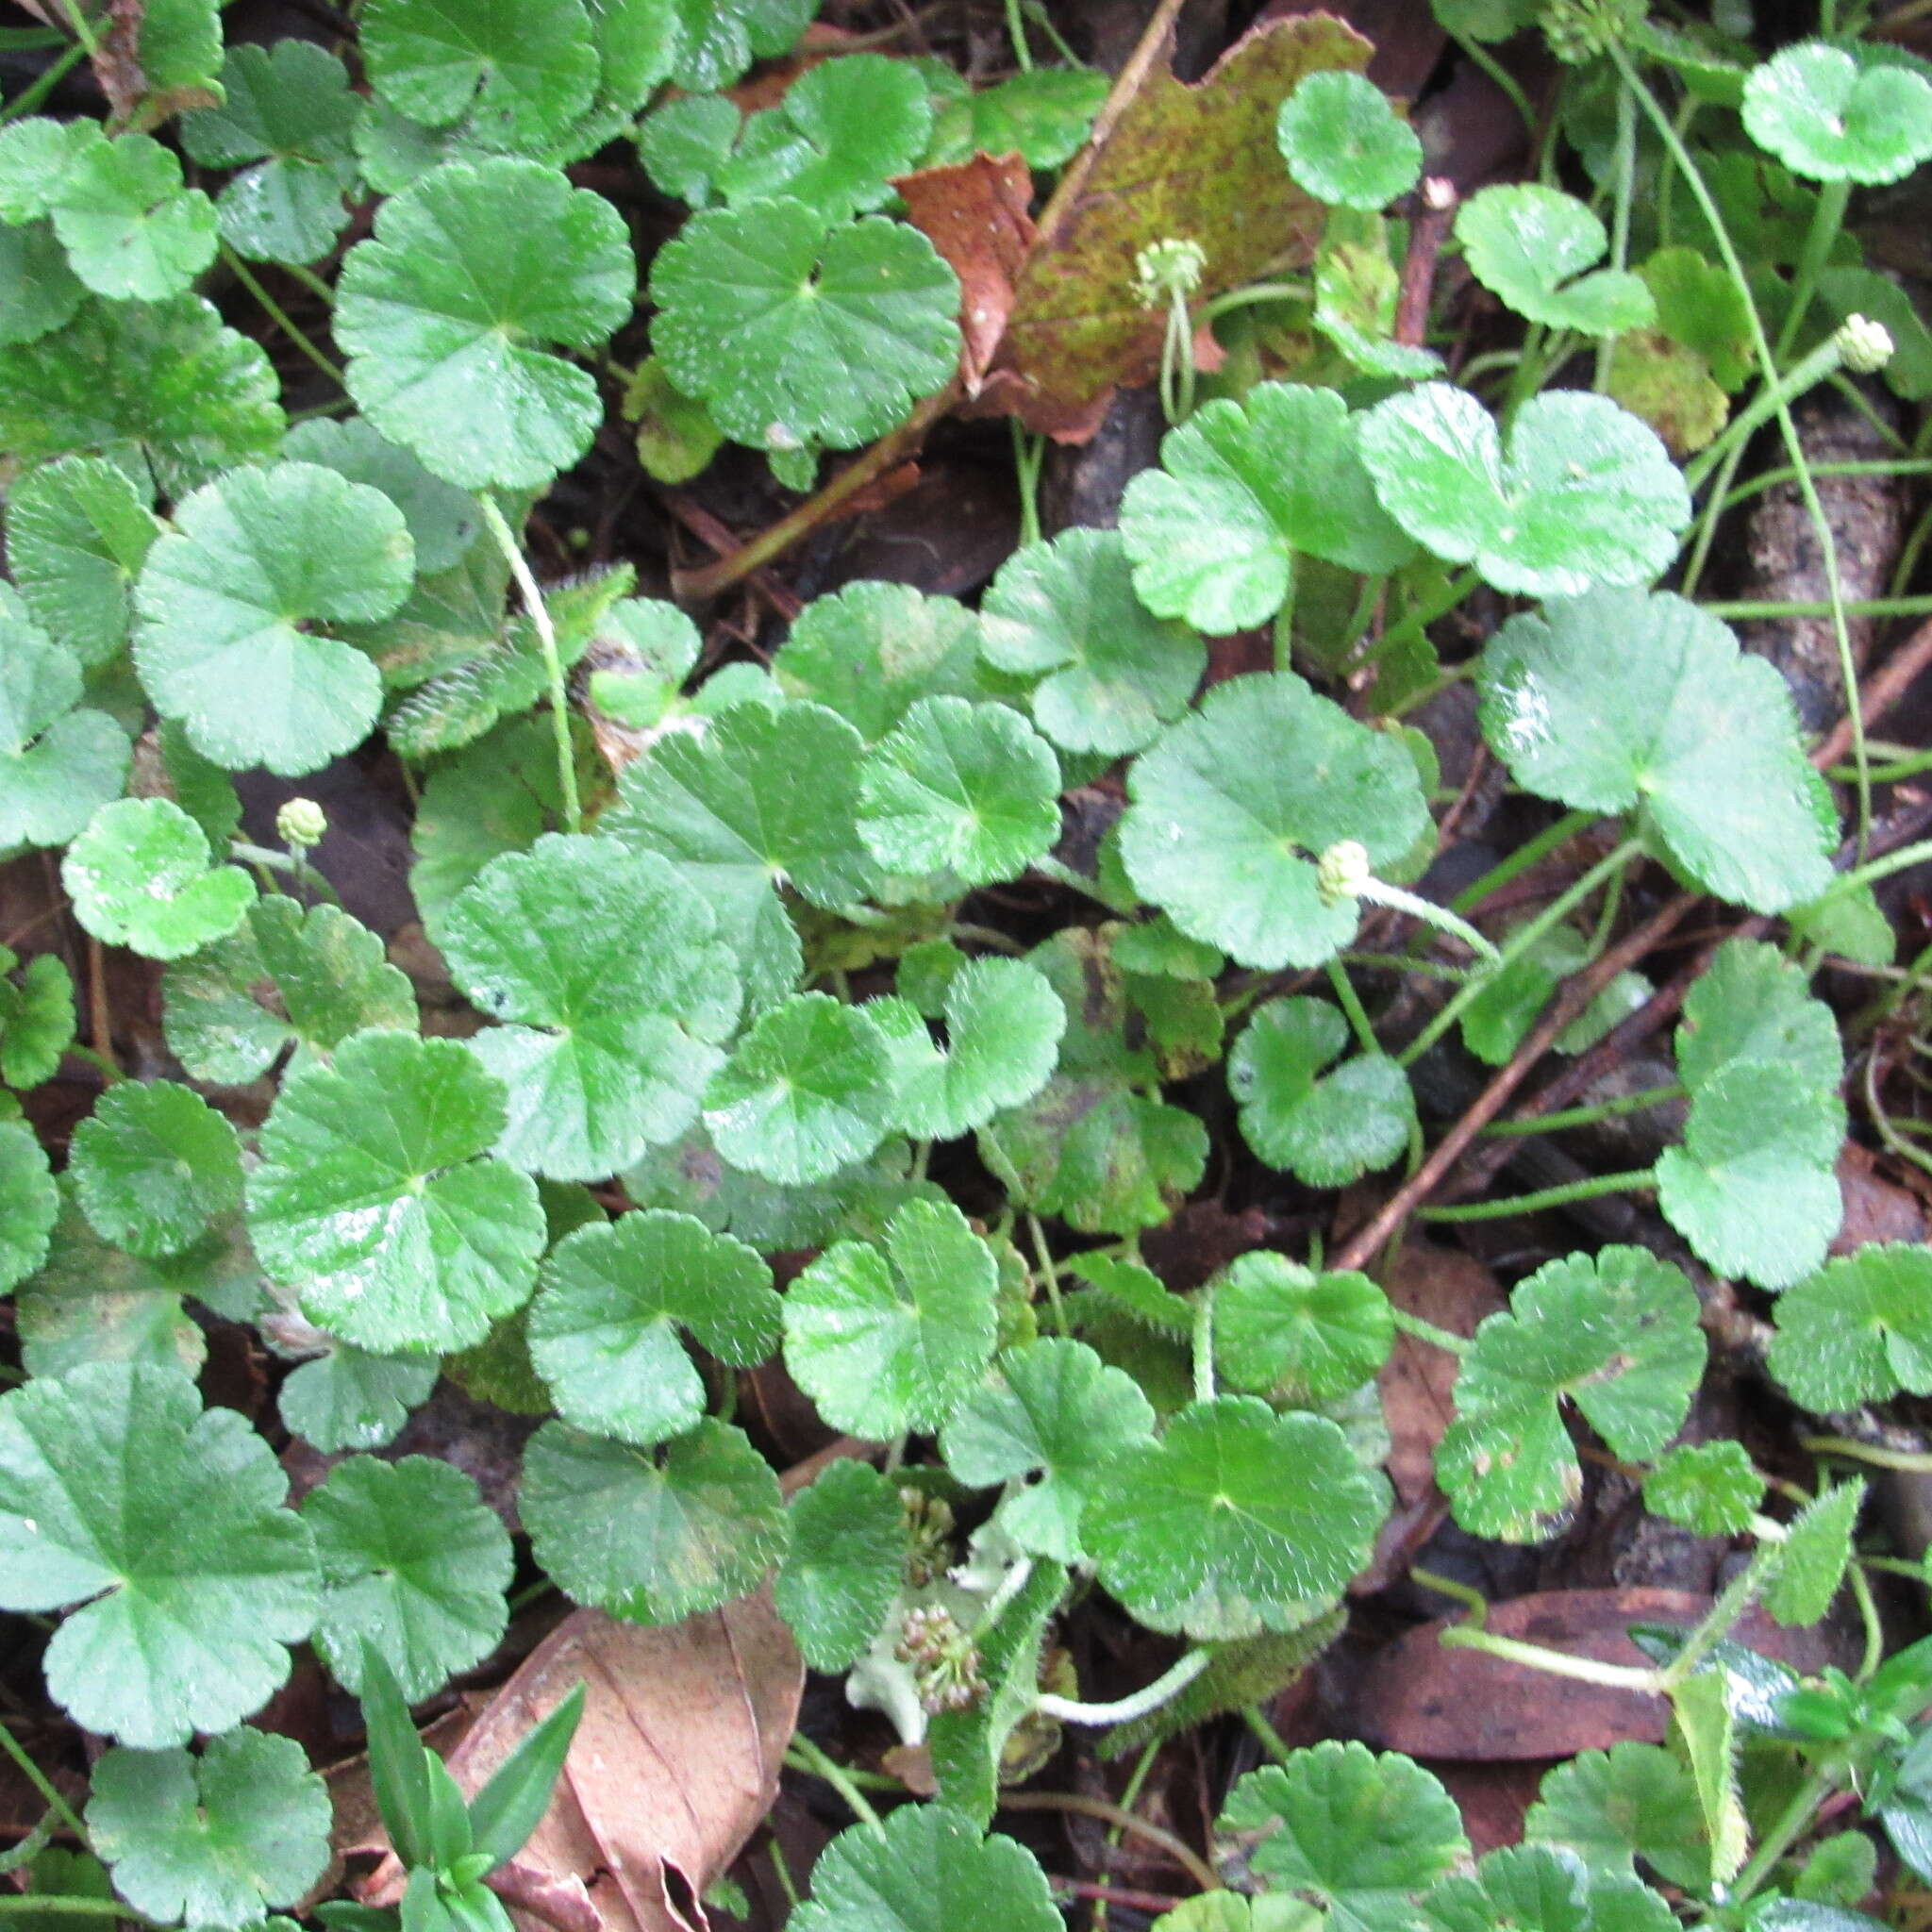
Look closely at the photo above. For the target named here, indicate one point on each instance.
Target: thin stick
(1183, 1853)
(1575, 997)
(553, 661)
(1879, 694)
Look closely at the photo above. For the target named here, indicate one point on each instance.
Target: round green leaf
(792, 334)
(1828, 117)
(1352, 1830)
(214, 1839)
(1044, 116)
(1283, 1330)
(29, 1203)
(1531, 245)
(374, 1200)
(1546, 1887)
(195, 395)
(1859, 1330)
(152, 1165)
(1620, 702)
(1711, 1487)
(58, 763)
(330, 977)
(412, 1562)
(845, 1564)
(871, 651)
(685, 141)
(443, 310)
(1325, 1131)
(347, 1398)
(1237, 1520)
(1631, 1801)
(1584, 494)
(39, 292)
(720, 39)
(77, 533)
(887, 1340)
(1004, 1024)
(928, 1870)
(835, 141)
(1226, 804)
(1752, 1004)
(652, 1536)
(36, 1019)
(528, 68)
(289, 110)
(226, 602)
(603, 963)
(130, 229)
(1110, 673)
(1243, 488)
(1050, 1415)
(1617, 1334)
(962, 788)
(604, 1327)
(807, 1091)
(139, 877)
(442, 520)
(36, 156)
(1345, 145)
(768, 795)
(1752, 1187)
(165, 1523)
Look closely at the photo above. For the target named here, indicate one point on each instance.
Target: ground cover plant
(958, 963)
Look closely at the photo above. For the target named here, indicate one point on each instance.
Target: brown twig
(1156, 1902)
(1426, 234)
(697, 586)
(1577, 995)
(1879, 695)
(1183, 1853)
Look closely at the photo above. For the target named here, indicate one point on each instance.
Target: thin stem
(1049, 1271)
(1480, 56)
(1868, 1612)
(43, 1784)
(1418, 620)
(1471, 1600)
(43, 83)
(310, 280)
(278, 315)
(1518, 943)
(1874, 869)
(1016, 33)
(1794, 448)
(297, 869)
(80, 1906)
(1827, 224)
(1520, 861)
(108, 1070)
(1791, 1821)
(1271, 1739)
(1379, 893)
(553, 661)
(1586, 1670)
(1352, 1005)
(802, 1755)
(1586, 1189)
(1254, 293)
(1589, 1116)
(1427, 1331)
(1624, 175)
(1203, 1345)
(1732, 1602)
(1027, 453)
(1770, 479)
(1183, 1853)
(1123, 1710)
(1818, 606)
(1910, 1461)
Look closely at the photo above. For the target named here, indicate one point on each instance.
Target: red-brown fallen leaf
(975, 213)
(1455, 1291)
(1194, 163)
(1876, 1209)
(1419, 1696)
(673, 1766)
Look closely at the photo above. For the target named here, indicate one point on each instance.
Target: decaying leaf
(1192, 163)
(675, 1764)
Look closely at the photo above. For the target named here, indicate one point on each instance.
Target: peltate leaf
(1281, 1329)
(928, 1870)
(1584, 495)
(77, 533)
(29, 1203)
(152, 1165)
(1829, 117)
(604, 1327)
(414, 1563)
(1859, 1330)
(844, 1563)
(227, 602)
(652, 1536)
(346, 1398)
(37, 1024)
(444, 311)
(165, 1523)
(1534, 246)
(375, 1198)
(132, 232)
(1345, 145)
(1633, 1801)
(59, 760)
(720, 39)
(139, 877)
(213, 1839)
(602, 961)
(1237, 1520)
(888, 1338)
(1620, 702)
(1711, 1487)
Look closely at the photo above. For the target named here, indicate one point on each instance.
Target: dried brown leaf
(673, 1766)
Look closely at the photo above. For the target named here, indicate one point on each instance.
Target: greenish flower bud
(1343, 870)
(301, 823)
(1165, 269)
(1863, 345)
(1579, 30)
